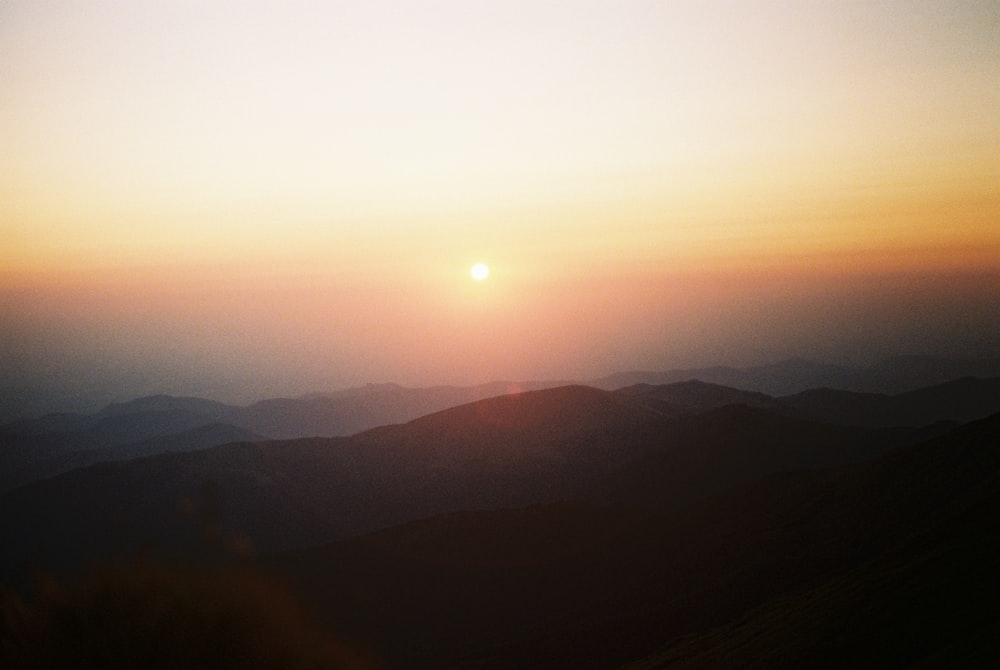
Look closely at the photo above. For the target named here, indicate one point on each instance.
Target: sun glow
(479, 271)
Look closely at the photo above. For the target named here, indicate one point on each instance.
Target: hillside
(923, 595)
(36, 449)
(39, 448)
(510, 450)
(833, 568)
(572, 527)
(568, 443)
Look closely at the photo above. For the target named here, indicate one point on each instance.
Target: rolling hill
(39, 448)
(510, 450)
(35, 449)
(568, 443)
(887, 563)
(574, 527)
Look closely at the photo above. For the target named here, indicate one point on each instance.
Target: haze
(244, 199)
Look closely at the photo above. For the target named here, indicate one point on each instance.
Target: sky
(242, 199)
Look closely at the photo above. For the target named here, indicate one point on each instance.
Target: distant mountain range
(685, 524)
(40, 448)
(655, 446)
(894, 375)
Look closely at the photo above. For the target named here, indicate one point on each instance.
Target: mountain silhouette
(509, 450)
(25, 464)
(575, 527)
(52, 444)
(572, 442)
(885, 563)
(960, 401)
(46, 446)
(922, 524)
(894, 375)
(28, 452)
(694, 457)
(957, 401)
(693, 396)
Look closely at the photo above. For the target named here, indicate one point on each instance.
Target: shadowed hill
(47, 446)
(21, 468)
(26, 456)
(699, 456)
(571, 442)
(694, 396)
(511, 450)
(43, 447)
(897, 374)
(957, 401)
(961, 400)
(30, 450)
(567, 443)
(880, 564)
(195, 439)
(505, 425)
(727, 531)
(784, 377)
(164, 403)
(355, 410)
(923, 525)
(439, 591)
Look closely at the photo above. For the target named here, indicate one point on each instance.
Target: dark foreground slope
(885, 564)
(927, 596)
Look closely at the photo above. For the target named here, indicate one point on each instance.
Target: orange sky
(195, 191)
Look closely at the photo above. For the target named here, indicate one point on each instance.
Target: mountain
(894, 375)
(721, 375)
(694, 396)
(354, 410)
(960, 401)
(455, 590)
(509, 450)
(29, 453)
(28, 462)
(898, 374)
(567, 443)
(571, 442)
(35, 449)
(888, 563)
(52, 444)
(921, 592)
(780, 378)
(166, 403)
(573, 527)
(698, 456)
(31, 449)
(957, 401)
(195, 439)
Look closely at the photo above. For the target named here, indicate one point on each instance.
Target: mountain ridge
(28, 453)
(500, 452)
(537, 587)
(573, 525)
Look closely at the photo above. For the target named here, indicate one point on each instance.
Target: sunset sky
(238, 199)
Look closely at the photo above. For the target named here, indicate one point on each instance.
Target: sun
(480, 271)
